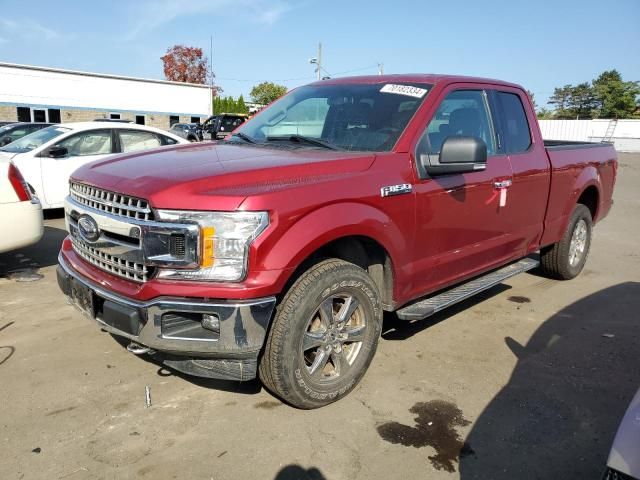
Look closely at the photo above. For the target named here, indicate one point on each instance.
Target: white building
(42, 94)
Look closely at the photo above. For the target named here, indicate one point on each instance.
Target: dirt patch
(519, 299)
(436, 423)
(267, 405)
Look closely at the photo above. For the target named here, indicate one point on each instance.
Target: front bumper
(170, 327)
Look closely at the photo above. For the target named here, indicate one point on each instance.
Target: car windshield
(5, 128)
(34, 140)
(355, 117)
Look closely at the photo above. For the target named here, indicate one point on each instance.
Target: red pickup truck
(275, 253)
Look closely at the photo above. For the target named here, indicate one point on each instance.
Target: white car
(21, 221)
(47, 157)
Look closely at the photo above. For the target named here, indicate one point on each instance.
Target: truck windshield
(355, 117)
(34, 140)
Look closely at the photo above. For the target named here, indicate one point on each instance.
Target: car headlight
(225, 238)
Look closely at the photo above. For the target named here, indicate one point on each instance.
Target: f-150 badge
(391, 190)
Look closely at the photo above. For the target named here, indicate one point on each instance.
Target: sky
(540, 45)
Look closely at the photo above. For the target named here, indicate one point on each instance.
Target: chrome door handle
(503, 184)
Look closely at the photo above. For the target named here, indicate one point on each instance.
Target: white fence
(625, 134)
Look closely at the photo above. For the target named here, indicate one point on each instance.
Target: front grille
(110, 202)
(111, 263)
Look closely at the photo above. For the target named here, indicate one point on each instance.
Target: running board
(429, 306)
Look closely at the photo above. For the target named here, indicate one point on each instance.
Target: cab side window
(515, 125)
(96, 142)
(462, 113)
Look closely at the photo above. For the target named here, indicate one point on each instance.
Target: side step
(427, 307)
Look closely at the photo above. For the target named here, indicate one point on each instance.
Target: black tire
(192, 139)
(557, 260)
(332, 292)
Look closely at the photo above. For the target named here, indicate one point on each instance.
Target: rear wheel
(324, 335)
(566, 259)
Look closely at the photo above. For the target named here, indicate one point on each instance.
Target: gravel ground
(528, 380)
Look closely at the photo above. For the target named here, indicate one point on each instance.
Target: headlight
(225, 238)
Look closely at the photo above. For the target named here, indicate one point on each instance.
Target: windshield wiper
(244, 137)
(302, 139)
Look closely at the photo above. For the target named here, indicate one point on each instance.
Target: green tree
(544, 114)
(614, 97)
(560, 100)
(267, 92)
(581, 101)
(242, 107)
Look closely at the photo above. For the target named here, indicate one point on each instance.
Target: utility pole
(211, 75)
(381, 69)
(317, 61)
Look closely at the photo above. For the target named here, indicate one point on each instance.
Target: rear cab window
(515, 130)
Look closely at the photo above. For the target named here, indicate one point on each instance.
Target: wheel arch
(357, 233)
(361, 250)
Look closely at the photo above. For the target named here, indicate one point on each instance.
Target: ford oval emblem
(88, 228)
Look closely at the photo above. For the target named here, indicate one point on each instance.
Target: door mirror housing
(458, 154)
(57, 152)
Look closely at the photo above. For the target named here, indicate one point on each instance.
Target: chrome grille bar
(111, 263)
(110, 202)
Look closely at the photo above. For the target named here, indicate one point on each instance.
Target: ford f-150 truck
(276, 252)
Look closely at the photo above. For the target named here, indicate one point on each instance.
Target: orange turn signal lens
(206, 237)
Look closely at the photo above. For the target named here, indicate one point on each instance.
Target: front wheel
(566, 259)
(324, 335)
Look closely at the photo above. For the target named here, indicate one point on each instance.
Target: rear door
(83, 147)
(526, 198)
(137, 140)
(461, 230)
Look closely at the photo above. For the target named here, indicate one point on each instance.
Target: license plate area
(84, 298)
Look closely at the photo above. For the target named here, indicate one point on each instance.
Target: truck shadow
(250, 387)
(42, 254)
(395, 329)
(557, 416)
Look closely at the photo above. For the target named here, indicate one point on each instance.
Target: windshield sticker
(404, 90)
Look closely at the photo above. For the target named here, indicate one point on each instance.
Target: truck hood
(216, 176)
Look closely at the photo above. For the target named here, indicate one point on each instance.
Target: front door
(83, 147)
(460, 227)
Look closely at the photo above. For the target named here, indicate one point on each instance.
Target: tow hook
(138, 349)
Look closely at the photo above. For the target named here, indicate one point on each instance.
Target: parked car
(220, 126)
(14, 131)
(21, 220)
(2, 124)
(47, 157)
(189, 131)
(276, 252)
(624, 459)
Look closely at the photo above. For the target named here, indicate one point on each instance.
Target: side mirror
(457, 155)
(57, 152)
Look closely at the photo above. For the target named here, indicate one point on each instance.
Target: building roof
(99, 75)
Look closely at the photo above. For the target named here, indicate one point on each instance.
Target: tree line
(607, 96)
(229, 105)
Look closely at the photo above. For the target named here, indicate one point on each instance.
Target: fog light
(211, 322)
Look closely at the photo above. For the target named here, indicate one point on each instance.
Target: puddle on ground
(518, 299)
(436, 423)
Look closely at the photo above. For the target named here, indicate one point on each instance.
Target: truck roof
(432, 78)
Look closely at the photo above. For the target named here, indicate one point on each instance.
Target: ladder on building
(611, 128)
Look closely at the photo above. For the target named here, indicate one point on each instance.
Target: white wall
(57, 88)
(626, 136)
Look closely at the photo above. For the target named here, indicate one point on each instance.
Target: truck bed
(568, 144)
(593, 163)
